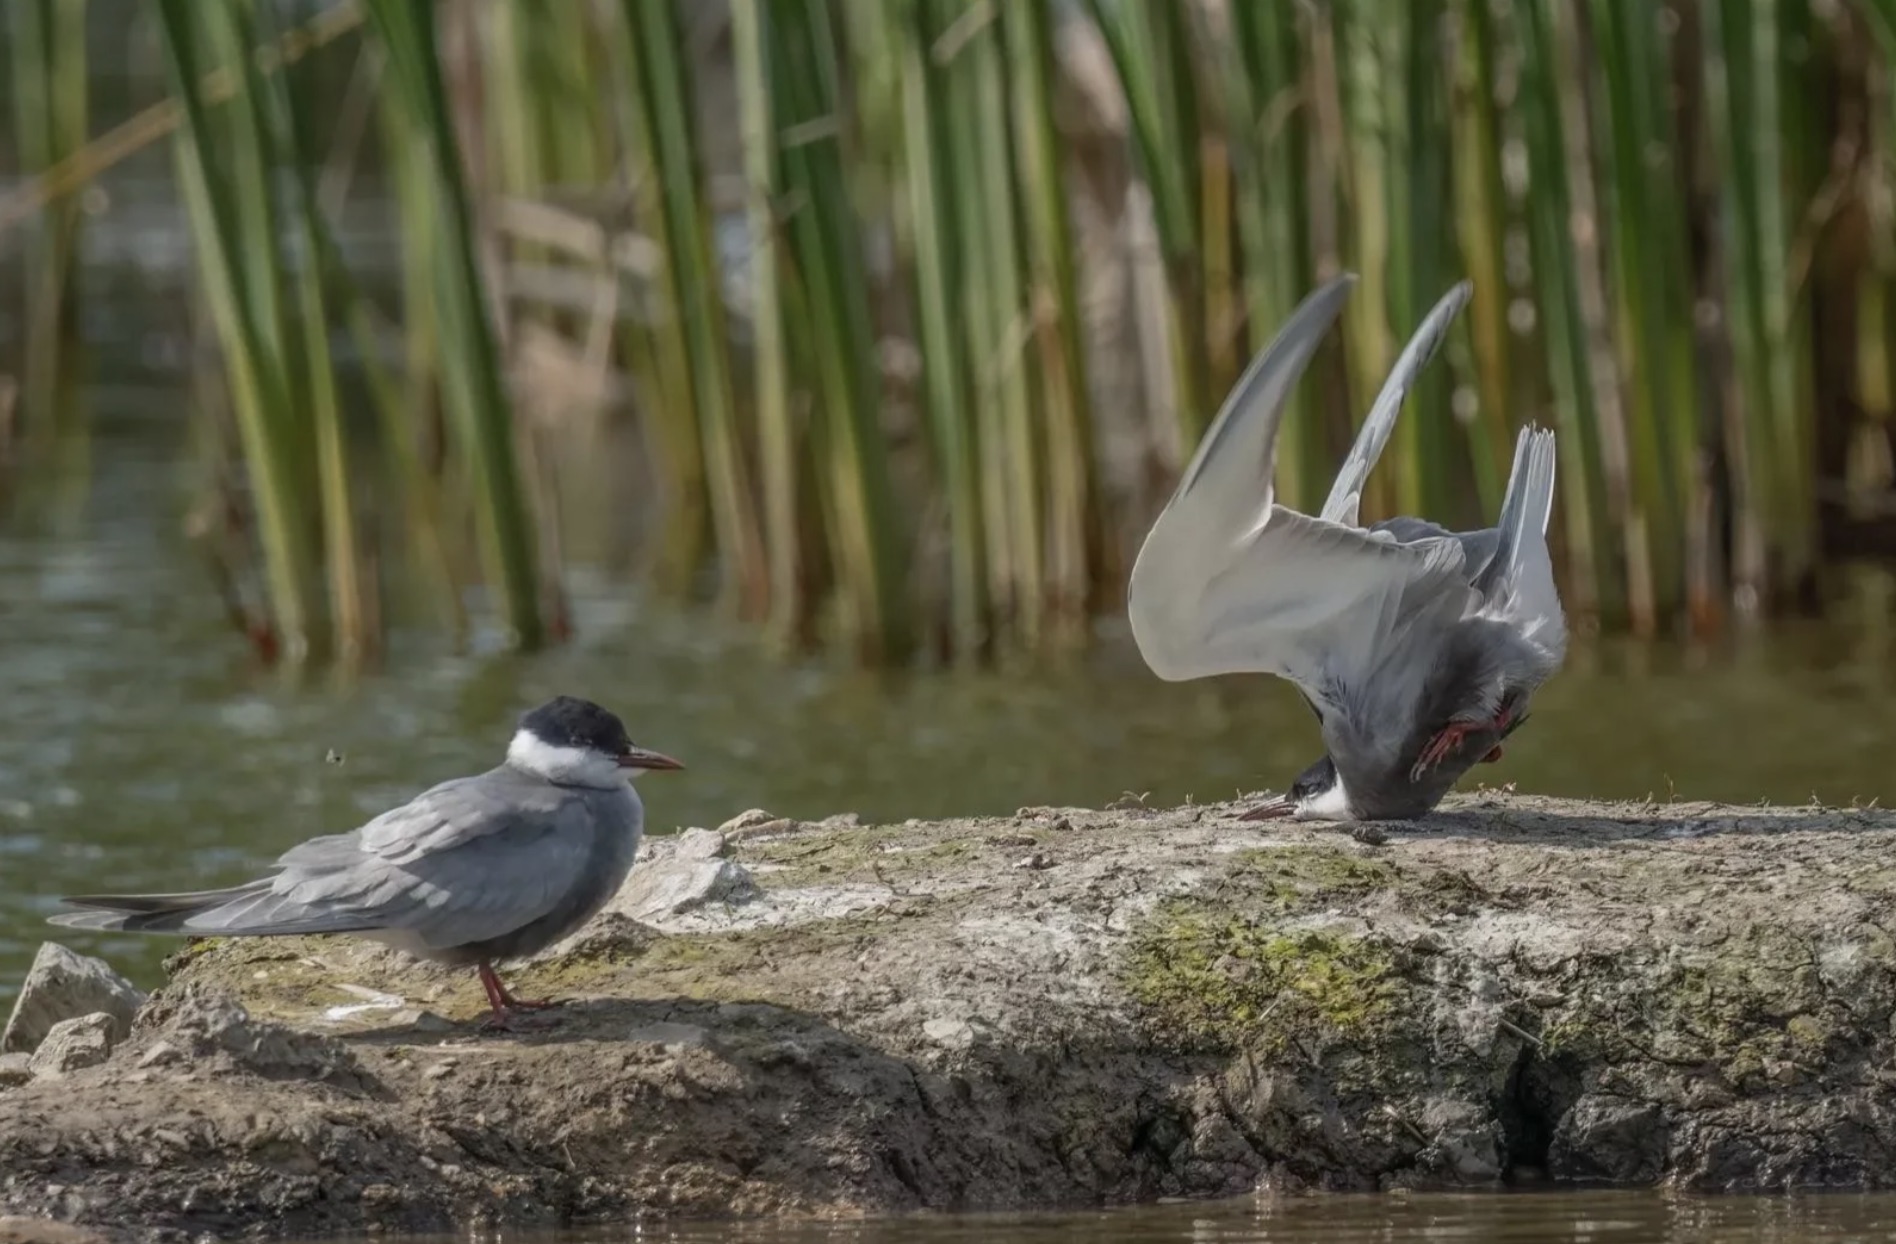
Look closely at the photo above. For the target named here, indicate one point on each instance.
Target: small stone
(1038, 860)
(1368, 834)
(439, 1070)
(671, 887)
(75, 1044)
(15, 1069)
(701, 844)
(63, 984)
(748, 820)
(161, 1052)
(420, 1020)
(841, 820)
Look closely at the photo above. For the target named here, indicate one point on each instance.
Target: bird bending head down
(475, 870)
(1417, 647)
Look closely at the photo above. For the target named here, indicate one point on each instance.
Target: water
(1434, 1218)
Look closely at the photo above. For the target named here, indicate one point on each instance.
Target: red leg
(504, 1004)
(1446, 740)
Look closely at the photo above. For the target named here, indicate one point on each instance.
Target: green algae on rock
(1060, 1008)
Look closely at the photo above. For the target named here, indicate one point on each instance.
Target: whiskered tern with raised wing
(1417, 647)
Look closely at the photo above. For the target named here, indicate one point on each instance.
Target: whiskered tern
(476, 870)
(1417, 647)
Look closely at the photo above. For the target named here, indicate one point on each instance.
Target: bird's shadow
(725, 1028)
(1562, 825)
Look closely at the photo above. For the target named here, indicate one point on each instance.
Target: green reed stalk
(1002, 366)
(753, 34)
(1422, 236)
(288, 113)
(476, 389)
(228, 245)
(1369, 39)
(1482, 211)
(928, 160)
(1742, 83)
(1073, 527)
(1593, 584)
(657, 351)
(825, 239)
(1150, 47)
(1645, 236)
(1270, 108)
(659, 66)
(47, 39)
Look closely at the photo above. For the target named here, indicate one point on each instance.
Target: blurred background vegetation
(886, 325)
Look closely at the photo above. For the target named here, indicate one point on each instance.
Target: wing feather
(1346, 494)
(1227, 581)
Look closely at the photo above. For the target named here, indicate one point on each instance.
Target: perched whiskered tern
(1417, 647)
(475, 870)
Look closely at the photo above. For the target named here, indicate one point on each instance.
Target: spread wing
(1228, 581)
(1346, 494)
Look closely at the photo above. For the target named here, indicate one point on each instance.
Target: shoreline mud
(1063, 1008)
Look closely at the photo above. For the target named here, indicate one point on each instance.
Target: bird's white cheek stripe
(1333, 804)
(563, 764)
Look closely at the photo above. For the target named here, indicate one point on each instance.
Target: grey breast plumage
(485, 867)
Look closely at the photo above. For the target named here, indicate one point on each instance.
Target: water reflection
(1479, 1218)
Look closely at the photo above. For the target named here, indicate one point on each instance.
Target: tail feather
(1525, 510)
(248, 910)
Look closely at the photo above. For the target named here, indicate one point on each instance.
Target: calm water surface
(1496, 1218)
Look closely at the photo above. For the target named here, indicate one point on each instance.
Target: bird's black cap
(568, 721)
(1318, 778)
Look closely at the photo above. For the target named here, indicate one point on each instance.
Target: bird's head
(575, 742)
(1316, 795)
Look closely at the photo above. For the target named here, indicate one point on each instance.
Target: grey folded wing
(468, 860)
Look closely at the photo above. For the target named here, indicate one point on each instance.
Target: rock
(700, 844)
(672, 885)
(750, 819)
(63, 984)
(207, 1025)
(1177, 1005)
(1608, 1138)
(15, 1069)
(75, 1044)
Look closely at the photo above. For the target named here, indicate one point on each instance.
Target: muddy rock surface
(1063, 1007)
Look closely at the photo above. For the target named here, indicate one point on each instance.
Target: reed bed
(922, 304)
(46, 61)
